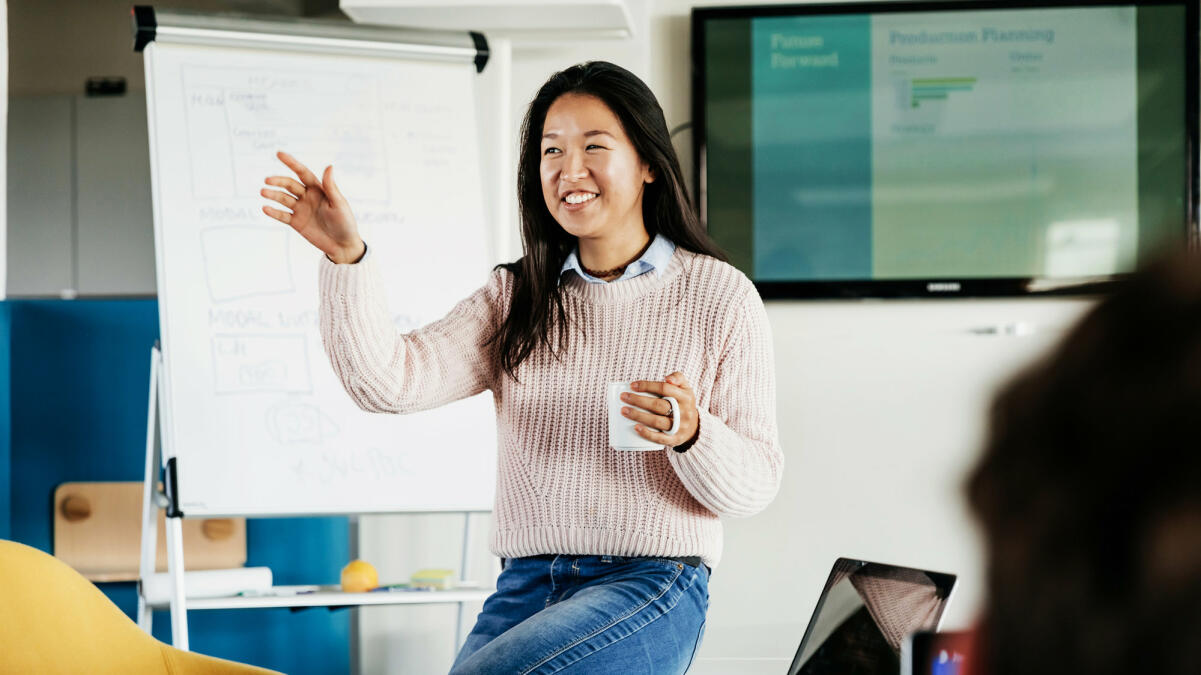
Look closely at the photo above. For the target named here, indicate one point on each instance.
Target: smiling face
(592, 177)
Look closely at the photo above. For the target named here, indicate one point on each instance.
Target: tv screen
(960, 148)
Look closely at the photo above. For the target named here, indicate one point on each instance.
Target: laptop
(864, 614)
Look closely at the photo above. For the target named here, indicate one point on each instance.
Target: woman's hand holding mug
(653, 414)
(319, 212)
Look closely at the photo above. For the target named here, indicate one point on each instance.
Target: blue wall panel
(79, 376)
(5, 428)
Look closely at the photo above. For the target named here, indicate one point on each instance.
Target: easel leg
(149, 502)
(179, 611)
(152, 501)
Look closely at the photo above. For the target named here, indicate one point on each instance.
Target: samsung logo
(943, 287)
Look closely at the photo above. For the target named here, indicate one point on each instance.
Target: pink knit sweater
(559, 487)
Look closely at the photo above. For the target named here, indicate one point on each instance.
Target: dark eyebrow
(594, 132)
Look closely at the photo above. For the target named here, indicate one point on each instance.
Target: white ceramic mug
(621, 428)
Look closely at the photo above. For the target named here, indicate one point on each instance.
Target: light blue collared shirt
(657, 255)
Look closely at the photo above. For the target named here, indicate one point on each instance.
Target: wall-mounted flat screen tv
(956, 148)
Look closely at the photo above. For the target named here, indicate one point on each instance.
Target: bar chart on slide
(913, 92)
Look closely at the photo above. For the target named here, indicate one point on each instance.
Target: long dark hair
(1089, 492)
(537, 303)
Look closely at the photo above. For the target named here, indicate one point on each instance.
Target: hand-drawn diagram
(342, 465)
(238, 118)
(212, 161)
(366, 463)
(249, 383)
(242, 261)
(294, 422)
(255, 363)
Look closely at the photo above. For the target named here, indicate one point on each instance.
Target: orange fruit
(359, 576)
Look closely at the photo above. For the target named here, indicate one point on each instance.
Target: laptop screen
(863, 615)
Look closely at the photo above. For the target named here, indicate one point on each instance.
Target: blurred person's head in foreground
(1089, 492)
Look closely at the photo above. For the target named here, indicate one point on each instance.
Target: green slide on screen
(1005, 143)
(961, 144)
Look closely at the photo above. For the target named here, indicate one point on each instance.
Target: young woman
(606, 554)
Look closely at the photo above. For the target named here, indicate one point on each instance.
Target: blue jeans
(589, 614)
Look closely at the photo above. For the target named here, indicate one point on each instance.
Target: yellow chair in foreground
(52, 620)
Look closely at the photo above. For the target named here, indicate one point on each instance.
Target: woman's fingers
(655, 436)
(290, 184)
(663, 389)
(649, 419)
(281, 197)
(651, 403)
(331, 188)
(307, 177)
(282, 216)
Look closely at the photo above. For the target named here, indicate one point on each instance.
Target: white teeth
(579, 197)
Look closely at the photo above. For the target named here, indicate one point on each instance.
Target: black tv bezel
(943, 287)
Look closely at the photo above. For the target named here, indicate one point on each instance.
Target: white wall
(3, 148)
(881, 410)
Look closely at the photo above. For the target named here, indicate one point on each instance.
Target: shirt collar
(656, 257)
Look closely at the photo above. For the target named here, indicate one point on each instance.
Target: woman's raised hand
(319, 212)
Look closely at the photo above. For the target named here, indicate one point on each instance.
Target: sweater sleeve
(735, 464)
(385, 370)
